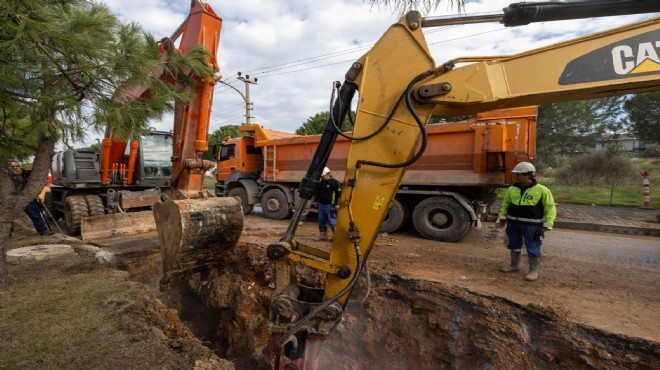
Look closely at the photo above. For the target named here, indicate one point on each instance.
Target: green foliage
(220, 135)
(565, 128)
(18, 140)
(96, 147)
(68, 64)
(438, 119)
(598, 168)
(619, 193)
(425, 6)
(652, 150)
(315, 124)
(644, 113)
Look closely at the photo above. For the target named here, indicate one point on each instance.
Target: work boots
(515, 262)
(533, 273)
(323, 233)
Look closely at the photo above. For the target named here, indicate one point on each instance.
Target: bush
(600, 167)
(652, 150)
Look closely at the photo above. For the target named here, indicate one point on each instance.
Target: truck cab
(237, 155)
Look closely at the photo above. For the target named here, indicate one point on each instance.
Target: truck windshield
(227, 152)
(156, 154)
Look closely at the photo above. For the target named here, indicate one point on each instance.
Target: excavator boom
(400, 89)
(195, 227)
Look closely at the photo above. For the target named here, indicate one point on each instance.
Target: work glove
(501, 222)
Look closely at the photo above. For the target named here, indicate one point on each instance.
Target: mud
(436, 305)
(404, 324)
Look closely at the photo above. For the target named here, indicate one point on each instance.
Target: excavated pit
(404, 324)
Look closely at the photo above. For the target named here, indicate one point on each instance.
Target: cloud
(297, 48)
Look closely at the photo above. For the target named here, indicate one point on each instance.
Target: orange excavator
(400, 87)
(163, 170)
(194, 226)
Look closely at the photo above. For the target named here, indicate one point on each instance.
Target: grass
(623, 195)
(61, 318)
(628, 193)
(209, 183)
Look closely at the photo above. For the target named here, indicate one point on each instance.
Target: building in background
(626, 140)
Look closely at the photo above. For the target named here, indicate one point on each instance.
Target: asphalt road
(602, 247)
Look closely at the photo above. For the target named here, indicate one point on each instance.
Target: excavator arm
(195, 227)
(400, 88)
(191, 120)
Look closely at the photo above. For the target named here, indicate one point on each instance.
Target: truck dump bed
(480, 151)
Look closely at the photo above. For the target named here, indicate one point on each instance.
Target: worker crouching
(528, 210)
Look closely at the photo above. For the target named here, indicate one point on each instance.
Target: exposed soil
(432, 305)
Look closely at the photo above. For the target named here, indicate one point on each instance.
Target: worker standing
(327, 197)
(527, 210)
(19, 177)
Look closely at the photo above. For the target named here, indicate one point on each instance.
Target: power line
(307, 60)
(307, 69)
(229, 109)
(267, 74)
(464, 37)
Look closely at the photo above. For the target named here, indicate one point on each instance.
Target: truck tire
(94, 205)
(441, 218)
(50, 206)
(397, 215)
(242, 195)
(75, 208)
(274, 205)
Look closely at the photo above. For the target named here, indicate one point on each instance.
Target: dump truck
(448, 190)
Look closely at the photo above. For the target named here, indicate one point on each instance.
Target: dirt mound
(432, 306)
(423, 325)
(407, 323)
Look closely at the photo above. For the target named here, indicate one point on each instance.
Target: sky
(296, 49)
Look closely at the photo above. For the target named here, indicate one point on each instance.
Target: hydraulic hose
(289, 335)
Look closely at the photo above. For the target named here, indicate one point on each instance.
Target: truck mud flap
(193, 233)
(110, 225)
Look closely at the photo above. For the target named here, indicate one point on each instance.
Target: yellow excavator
(400, 87)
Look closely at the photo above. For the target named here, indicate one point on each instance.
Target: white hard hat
(524, 167)
(326, 171)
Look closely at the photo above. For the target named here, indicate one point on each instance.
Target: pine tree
(65, 66)
(565, 128)
(644, 113)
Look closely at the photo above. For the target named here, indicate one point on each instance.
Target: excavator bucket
(193, 233)
(110, 225)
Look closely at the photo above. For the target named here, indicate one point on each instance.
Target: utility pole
(246, 96)
(248, 103)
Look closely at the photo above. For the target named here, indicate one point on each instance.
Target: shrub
(598, 168)
(652, 150)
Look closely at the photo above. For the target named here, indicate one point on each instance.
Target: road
(607, 281)
(607, 248)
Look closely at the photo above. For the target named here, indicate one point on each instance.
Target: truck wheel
(441, 218)
(50, 206)
(94, 205)
(75, 208)
(275, 205)
(242, 195)
(396, 217)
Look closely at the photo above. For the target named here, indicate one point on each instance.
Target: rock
(39, 252)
